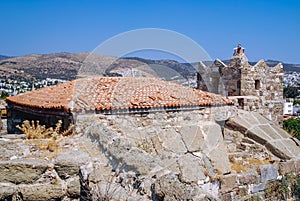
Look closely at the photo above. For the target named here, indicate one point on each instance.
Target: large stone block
(258, 135)
(250, 177)
(216, 149)
(73, 187)
(193, 138)
(7, 190)
(68, 163)
(169, 187)
(282, 148)
(268, 172)
(228, 182)
(287, 167)
(22, 170)
(172, 141)
(37, 192)
(191, 169)
(255, 188)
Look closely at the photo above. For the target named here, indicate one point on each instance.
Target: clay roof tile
(106, 93)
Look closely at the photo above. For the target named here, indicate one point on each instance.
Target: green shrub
(292, 126)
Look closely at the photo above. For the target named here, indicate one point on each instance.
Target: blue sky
(267, 29)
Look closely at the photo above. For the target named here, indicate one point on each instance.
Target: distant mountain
(40, 66)
(67, 66)
(168, 69)
(2, 57)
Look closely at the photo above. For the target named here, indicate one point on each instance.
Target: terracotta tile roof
(107, 93)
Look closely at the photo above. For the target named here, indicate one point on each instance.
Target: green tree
(4, 95)
(296, 102)
(290, 92)
(292, 126)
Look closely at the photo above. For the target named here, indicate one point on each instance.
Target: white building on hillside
(288, 108)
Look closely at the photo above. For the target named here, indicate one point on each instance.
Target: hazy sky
(267, 29)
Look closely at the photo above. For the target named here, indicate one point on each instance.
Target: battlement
(239, 78)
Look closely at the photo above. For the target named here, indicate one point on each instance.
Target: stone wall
(265, 83)
(242, 79)
(171, 155)
(272, 182)
(34, 179)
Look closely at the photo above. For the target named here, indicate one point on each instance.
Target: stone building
(253, 88)
(108, 95)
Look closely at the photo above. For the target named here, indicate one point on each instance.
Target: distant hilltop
(66, 66)
(2, 57)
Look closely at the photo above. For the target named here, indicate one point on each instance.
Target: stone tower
(253, 88)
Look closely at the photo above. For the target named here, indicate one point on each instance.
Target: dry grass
(247, 164)
(44, 138)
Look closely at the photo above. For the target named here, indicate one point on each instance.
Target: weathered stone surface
(169, 187)
(286, 167)
(258, 187)
(216, 149)
(193, 138)
(191, 169)
(268, 172)
(157, 144)
(211, 188)
(242, 191)
(67, 164)
(266, 133)
(8, 149)
(139, 161)
(38, 192)
(281, 148)
(292, 147)
(228, 182)
(120, 151)
(172, 141)
(22, 170)
(250, 177)
(258, 135)
(7, 190)
(297, 164)
(73, 187)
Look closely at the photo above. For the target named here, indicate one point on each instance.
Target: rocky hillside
(67, 66)
(59, 65)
